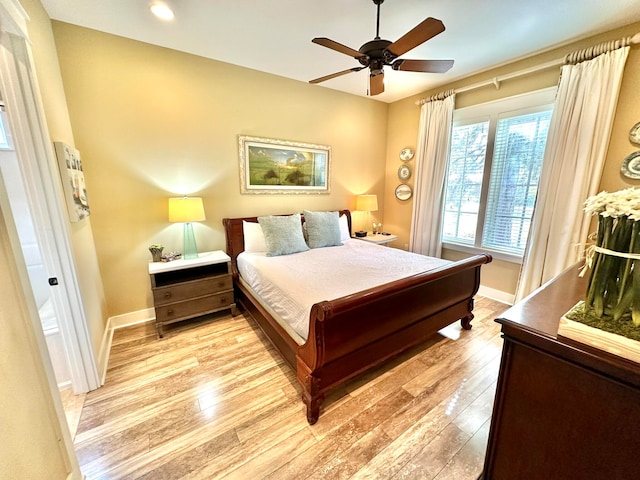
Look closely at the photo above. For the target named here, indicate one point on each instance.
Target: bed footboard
(354, 333)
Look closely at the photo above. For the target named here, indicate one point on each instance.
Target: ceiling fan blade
(429, 66)
(376, 84)
(338, 47)
(429, 28)
(334, 75)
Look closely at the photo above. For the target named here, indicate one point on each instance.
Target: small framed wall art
(404, 172)
(403, 192)
(634, 134)
(406, 154)
(72, 176)
(631, 166)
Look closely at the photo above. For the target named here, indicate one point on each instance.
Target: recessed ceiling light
(161, 10)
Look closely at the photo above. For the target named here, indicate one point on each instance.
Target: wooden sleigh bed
(354, 333)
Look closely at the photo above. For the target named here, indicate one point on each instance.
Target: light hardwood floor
(72, 408)
(213, 399)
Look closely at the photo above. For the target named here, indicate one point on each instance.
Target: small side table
(378, 238)
(184, 289)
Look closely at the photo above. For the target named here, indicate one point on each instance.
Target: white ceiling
(275, 35)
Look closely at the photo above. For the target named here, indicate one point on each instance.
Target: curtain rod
(574, 57)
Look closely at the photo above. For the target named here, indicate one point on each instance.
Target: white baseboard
(499, 295)
(119, 321)
(64, 385)
(132, 318)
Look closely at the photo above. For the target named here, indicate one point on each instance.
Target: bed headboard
(235, 235)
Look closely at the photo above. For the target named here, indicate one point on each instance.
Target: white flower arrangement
(614, 282)
(617, 204)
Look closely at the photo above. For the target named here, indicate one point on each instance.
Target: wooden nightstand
(378, 238)
(184, 289)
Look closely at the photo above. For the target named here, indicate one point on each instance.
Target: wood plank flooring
(213, 399)
(72, 404)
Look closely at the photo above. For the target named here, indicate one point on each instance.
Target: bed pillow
(323, 229)
(283, 234)
(345, 234)
(254, 241)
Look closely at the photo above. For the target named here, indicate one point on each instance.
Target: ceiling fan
(378, 52)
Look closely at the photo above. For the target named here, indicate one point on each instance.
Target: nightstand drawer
(193, 307)
(194, 288)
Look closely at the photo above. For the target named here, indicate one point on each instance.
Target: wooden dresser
(185, 289)
(562, 410)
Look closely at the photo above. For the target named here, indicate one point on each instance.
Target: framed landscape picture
(279, 166)
(72, 177)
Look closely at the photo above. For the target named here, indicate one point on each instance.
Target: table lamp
(187, 210)
(366, 203)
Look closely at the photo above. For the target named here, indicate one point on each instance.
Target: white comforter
(291, 284)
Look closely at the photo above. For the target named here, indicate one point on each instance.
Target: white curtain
(574, 157)
(432, 152)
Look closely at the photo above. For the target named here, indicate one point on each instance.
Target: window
(493, 173)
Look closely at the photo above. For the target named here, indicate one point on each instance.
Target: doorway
(33, 153)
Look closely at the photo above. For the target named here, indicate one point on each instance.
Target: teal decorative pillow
(283, 234)
(323, 229)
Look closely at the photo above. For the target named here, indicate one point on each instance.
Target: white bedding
(291, 284)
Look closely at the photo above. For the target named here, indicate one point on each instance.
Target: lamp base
(190, 250)
(360, 234)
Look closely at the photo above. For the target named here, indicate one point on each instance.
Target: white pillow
(254, 241)
(345, 234)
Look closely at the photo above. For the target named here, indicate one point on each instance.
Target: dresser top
(205, 258)
(541, 311)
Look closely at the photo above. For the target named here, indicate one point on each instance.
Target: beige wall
(404, 117)
(57, 117)
(151, 123)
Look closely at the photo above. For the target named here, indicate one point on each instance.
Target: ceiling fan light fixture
(377, 53)
(162, 11)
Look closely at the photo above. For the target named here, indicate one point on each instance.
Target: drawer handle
(223, 300)
(167, 295)
(221, 284)
(169, 312)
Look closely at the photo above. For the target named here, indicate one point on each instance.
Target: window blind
(515, 172)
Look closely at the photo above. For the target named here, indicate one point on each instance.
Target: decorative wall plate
(406, 154)
(634, 134)
(631, 165)
(403, 192)
(404, 172)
